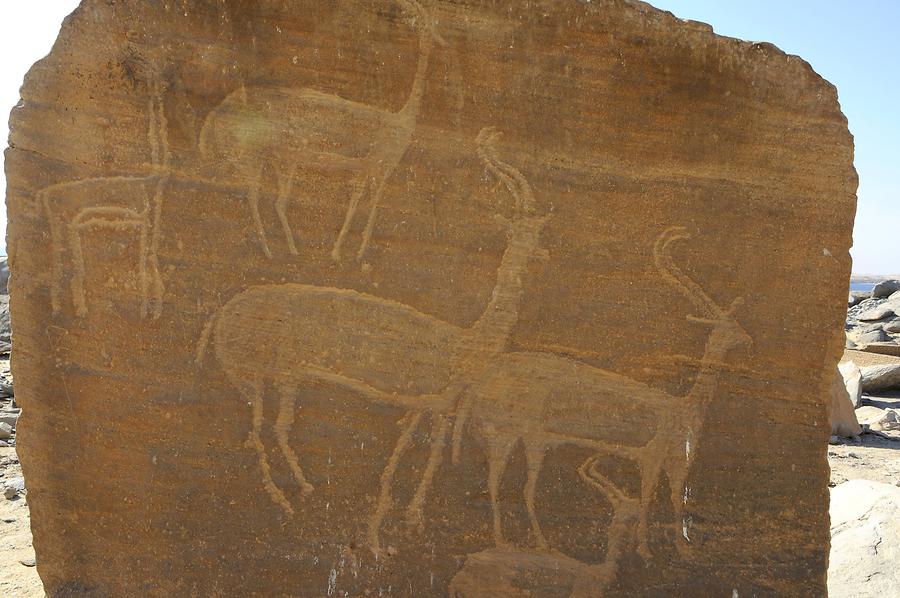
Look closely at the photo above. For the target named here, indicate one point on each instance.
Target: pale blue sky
(852, 43)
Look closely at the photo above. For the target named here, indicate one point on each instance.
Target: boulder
(6, 431)
(865, 540)
(886, 288)
(5, 328)
(862, 336)
(885, 348)
(856, 297)
(9, 418)
(4, 275)
(843, 418)
(880, 312)
(892, 327)
(880, 377)
(371, 294)
(852, 378)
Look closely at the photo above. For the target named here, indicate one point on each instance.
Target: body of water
(862, 286)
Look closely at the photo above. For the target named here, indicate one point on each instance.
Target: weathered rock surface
(865, 540)
(886, 288)
(852, 377)
(880, 377)
(5, 329)
(336, 293)
(4, 275)
(843, 417)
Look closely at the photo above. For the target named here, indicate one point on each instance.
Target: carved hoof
(306, 489)
(336, 255)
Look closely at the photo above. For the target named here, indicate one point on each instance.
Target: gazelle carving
(544, 401)
(301, 334)
(131, 202)
(279, 128)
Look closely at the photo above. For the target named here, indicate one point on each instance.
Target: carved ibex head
(423, 19)
(727, 333)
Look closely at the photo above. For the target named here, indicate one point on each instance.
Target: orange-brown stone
(418, 297)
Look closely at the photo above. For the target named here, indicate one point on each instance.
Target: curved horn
(508, 174)
(667, 268)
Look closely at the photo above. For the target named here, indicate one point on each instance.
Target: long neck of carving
(411, 108)
(704, 387)
(502, 311)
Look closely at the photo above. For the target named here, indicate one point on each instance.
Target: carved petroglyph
(301, 333)
(531, 398)
(129, 203)
(522, 397)
(528, 398)
(489, 335)
(279, 129)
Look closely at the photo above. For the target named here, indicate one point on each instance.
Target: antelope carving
(384, 351)
(543, 401)
(279, 128)
(129, 202)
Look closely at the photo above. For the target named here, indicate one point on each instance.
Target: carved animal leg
(281, 204)
(358, 189)
(383, 506)
(56, 281)
(158, 288)
(459, 426)
(679, 495)
(649, 481)
(253, 198)
(143, 281)
(77, 283)
(254, 390)
(414, 515)
(283, 424)
(499, 449)
(370, 223)
(534, 456)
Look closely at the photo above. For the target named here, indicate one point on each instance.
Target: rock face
(865, 540)
(336, 290)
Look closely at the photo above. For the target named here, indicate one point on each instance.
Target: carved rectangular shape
(425, 297)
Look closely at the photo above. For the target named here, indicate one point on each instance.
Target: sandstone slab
(410, 297)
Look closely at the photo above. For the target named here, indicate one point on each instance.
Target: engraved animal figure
(286, 336)
(511, 571)
(486, 338)
(129, 202)
(543, 401)
(280, 128)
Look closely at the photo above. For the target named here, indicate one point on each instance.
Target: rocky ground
(18, 576)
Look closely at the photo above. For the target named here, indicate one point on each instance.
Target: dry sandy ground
(16, 579)
(868, 457)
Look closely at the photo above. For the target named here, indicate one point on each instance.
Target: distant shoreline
(873, 277)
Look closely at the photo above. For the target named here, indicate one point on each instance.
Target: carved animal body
(130, 202)
(382, 350)
(279, 129)
(545, 400)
